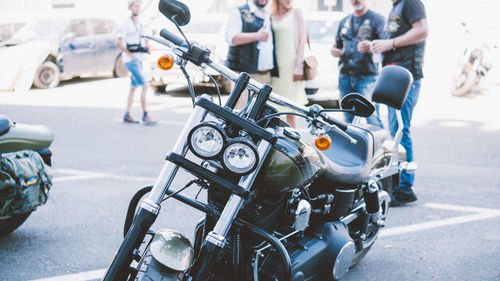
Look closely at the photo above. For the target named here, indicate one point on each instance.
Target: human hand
(298, 72)
(262, 34)
(380, 46)
(364, 46)
(336, 52)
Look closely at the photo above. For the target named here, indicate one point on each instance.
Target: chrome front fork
(169, 170)
(218, 235)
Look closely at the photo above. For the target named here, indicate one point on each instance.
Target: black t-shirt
(353, 30)
(405, 13)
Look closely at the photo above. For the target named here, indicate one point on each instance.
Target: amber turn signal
(165, 62)
(323, 142)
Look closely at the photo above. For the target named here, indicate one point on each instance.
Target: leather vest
(352, 62)
(410, 57)
(245, 57)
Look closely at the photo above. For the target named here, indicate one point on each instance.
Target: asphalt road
(451, 233)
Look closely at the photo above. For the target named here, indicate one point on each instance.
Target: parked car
(43, 52)
(208, 30)
(322, 29)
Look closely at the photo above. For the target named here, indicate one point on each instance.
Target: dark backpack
(25, 181)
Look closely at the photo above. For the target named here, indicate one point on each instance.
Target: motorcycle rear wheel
(11, 223)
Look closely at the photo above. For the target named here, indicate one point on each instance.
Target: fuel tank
(291, 163)
(17, 136)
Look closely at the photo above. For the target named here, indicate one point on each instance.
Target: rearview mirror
(357, 104)
(175, 11)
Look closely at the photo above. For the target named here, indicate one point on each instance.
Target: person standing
(358, 67)
(248, 33)
(290, 37)
(130, 42)
(407, 30)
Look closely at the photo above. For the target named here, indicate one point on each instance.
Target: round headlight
(240, 157)
(206, 140)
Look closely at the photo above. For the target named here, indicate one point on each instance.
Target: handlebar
(176, 40)
(178, 43)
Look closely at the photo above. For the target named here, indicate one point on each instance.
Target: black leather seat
(346, 162)
(5, 124)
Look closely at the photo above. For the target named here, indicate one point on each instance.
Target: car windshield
(202, 27)
(40, 30)
(322, 31)
(8, 29)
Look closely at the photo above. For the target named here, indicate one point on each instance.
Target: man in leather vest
(358, 67)
(407, 30)
(249, 36)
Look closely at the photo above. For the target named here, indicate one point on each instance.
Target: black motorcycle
(277, 208)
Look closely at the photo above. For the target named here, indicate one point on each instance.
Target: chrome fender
(172, 249)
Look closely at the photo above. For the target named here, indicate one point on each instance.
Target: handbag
(310, 67)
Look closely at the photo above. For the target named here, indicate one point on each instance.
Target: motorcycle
(472, 66)
(277, 208)
(23, 147)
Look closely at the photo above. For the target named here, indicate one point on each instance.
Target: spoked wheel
(11, 223)
(373, 228)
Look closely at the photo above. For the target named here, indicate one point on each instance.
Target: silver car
(208, 31)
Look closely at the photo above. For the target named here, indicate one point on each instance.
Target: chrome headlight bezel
(217, 128)
(251, 148)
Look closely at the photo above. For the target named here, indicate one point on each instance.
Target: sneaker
(148, 121)
(130, 119)
(399, 198)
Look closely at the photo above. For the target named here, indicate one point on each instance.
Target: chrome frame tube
(234, 203)
(169, 170)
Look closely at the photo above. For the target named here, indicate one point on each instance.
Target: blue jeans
(406, 113)
(137, 78)
(362, 85)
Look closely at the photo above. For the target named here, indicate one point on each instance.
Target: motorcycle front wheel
(11, 223)
(463, 84)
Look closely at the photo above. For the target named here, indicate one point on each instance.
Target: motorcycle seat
(348, 163)
(379, 135)
(5, 124)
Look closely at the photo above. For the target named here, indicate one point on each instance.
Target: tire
(11, 223)
(151, 269)
(463, 84)
(159, 88)
(47, 76)
(119, 70)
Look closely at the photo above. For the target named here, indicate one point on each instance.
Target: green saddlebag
(25, 181)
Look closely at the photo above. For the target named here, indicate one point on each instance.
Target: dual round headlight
(208, 141)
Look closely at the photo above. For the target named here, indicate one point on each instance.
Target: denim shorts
(137, 78)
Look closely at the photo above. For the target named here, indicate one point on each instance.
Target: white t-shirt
(234, 26)
(130, 31)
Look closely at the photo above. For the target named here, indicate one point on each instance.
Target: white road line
(82, 276)
(85, 175)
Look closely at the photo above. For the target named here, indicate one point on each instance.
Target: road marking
(165, 122)
(82, 276)
(478, 214)
(86, 175)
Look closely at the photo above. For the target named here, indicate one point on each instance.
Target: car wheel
(47, 76)
(120, 70)
(159, 89)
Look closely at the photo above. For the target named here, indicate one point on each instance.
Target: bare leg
(143, 98)
(130, 100)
